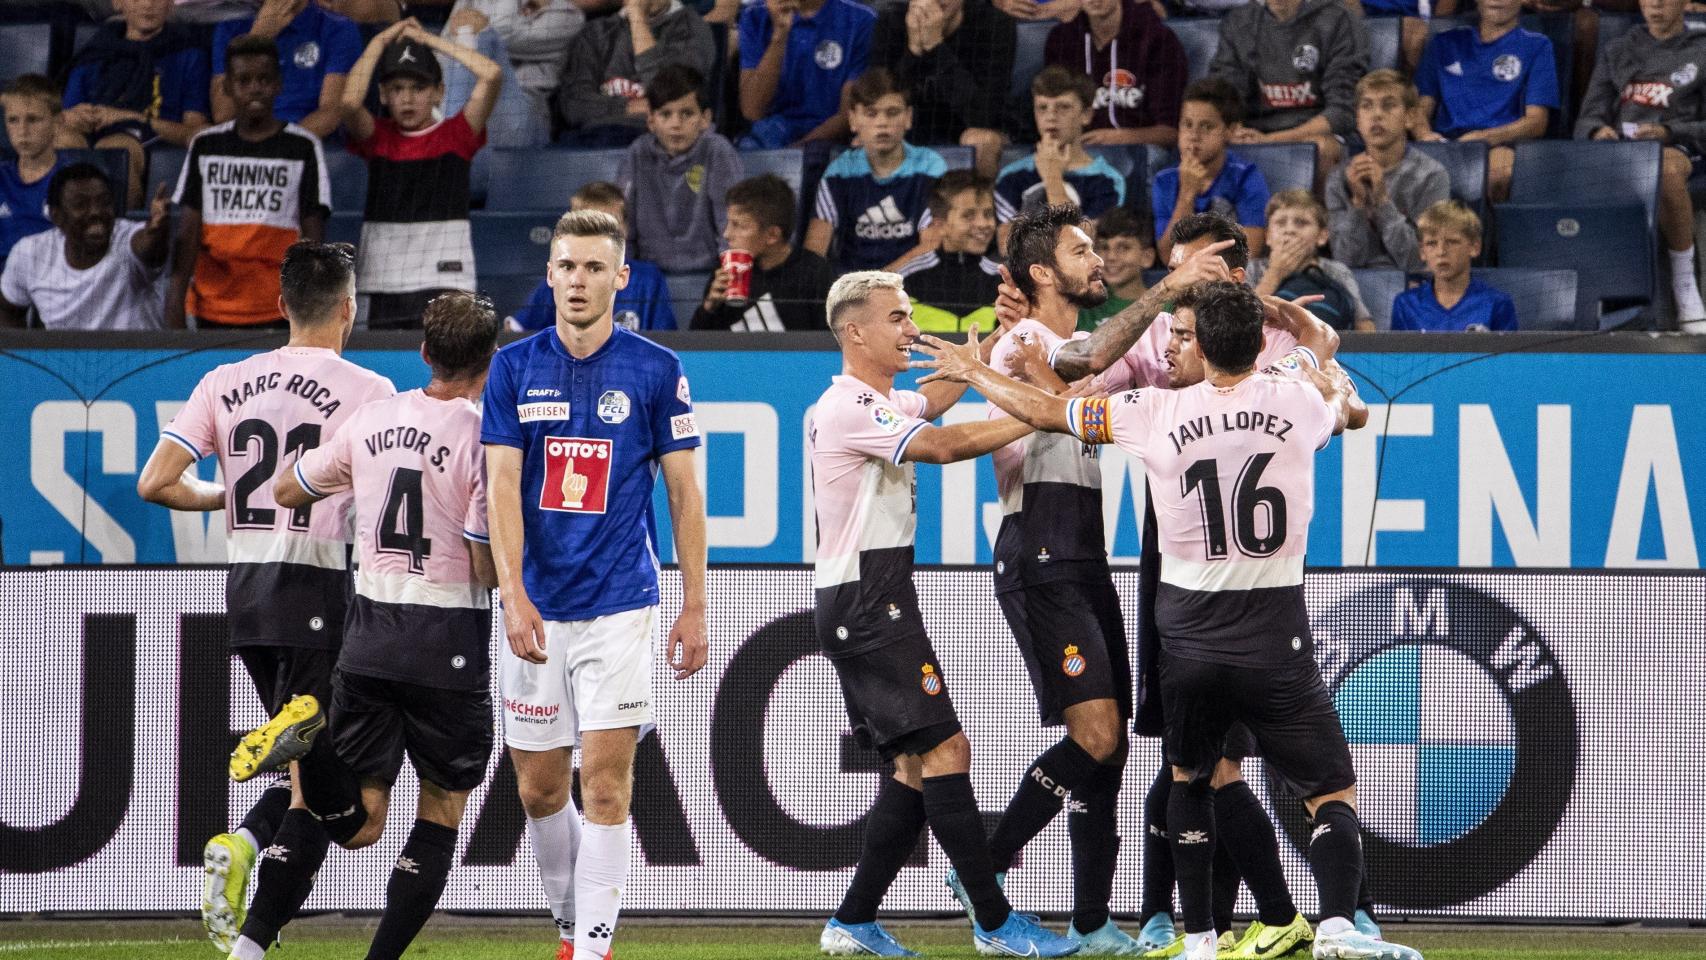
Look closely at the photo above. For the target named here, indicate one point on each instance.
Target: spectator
(415, 240)
(316, 49)
(677, 175)
(31, 105)
(875, 198)
(1125, 240)
(788, 284)
(250, 188)
(950, 275)
(1207, 178)
(1038, 9)
(1061, 170)
(1452, 300)
(1374, 198)
(1136, 63)
(1494, 82)
(1295, 63)
(1647, 86)
(797, 59)
(93, 271)
(1294, 267)
(955, 56)
(136, 81)
(535, 34)
(642, 304)
(602, 100)
(521, 117)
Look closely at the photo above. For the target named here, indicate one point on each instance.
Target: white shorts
(597, 675)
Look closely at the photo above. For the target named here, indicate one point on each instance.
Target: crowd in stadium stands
(908, 134)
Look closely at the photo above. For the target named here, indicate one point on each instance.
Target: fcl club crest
(1073, 665)
(931, 683)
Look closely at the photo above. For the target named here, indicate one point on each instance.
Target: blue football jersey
(877, 221)
(1096, 187)
(1478, 86)
(591, 434)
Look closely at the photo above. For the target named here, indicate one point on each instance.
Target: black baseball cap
(409, 58)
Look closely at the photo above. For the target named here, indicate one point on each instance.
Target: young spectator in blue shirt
(135, 82)
(1207, 179)
(797, 58)
(875, 198)
(1451, 299)
(641, 305)
(31, 105)
(1061, 171)
(1495, 82)
(316, 49)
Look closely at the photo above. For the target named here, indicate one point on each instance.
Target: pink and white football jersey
(1145, 364)
(257, 416)
(416, 470)
(862, 490)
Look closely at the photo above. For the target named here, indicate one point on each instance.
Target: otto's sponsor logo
(1287, 96)
(577, 475)
(532, 712)
(532, 412)
(1649, 94)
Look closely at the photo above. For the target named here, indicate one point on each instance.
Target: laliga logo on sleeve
(577, 475)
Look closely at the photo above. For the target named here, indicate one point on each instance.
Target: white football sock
(246, 949)
(1684, 288)
(600, 874)
(556, 843)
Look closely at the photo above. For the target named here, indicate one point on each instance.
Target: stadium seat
(789, 164)
(1379, 287)
(24, 48)
(535, 178)
(510, 250)
(1383, 42)
(344, 226)
(1029, 38)
(1465, 163)
(1586, 206)
(1613, 24)
(164, 165)
(686, 292)
(1131, 161)
(1284, 166)
(1200, 37)
(957, 157)
(348, 174)
(1545, 299)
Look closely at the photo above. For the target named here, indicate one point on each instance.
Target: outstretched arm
(1025, 403)
(166, 480)
(1082, 358)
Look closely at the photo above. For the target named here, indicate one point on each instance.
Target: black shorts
(897, 698)
(447, 734)
(1072, 636)
(280, 673)
(1288, 711)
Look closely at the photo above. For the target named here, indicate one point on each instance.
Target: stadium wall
(1527, 744)
(1521, 450)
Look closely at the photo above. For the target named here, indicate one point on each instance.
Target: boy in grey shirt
(1374, 198)
(677, 175)
(614, 60)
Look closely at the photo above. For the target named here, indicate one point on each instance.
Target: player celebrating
(1236, 644)
(864, 436)
(577, 421)
(413, 675)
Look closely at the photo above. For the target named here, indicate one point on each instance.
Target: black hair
(250, 45)
(1033, 238)
(74, 173)
(952, 184)
(674, 82)
(461, 332)
(1126, 222)
(769, 199)
(1216, 227)
(315, 279)
(875, 84)
(1220, 94)
(1229, 323)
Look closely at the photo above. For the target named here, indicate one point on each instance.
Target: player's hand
(1201, 267)
(954, 362)
(160, 208)
(1288, 315)
(523, 626)
(1086, 387)
(1011, 306)
(687, 648)
(1028, 358)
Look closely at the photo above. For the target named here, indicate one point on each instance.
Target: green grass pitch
(463, 938)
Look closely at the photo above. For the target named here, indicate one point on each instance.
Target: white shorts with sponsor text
(597, 675)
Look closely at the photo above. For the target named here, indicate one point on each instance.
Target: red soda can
(738, 265)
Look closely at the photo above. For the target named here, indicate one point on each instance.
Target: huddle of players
(1248, 392)
(318, 451)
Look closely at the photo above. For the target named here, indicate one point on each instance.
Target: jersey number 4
(1247, 498)
(402, 527)
(251, 433)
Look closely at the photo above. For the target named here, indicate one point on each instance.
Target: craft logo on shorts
(1456, 707)
(1507, 67)
(931, 683)
(613, 406)
(577, 474)
(1073, 665)
(827, 55)
(887, 418)
(307, 56)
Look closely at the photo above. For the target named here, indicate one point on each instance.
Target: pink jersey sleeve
(194, 428)
(325, 470)
(1275, 344)
(881, 428)
(911, 402)
(474, 525)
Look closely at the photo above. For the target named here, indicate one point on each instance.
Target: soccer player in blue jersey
(578, 421)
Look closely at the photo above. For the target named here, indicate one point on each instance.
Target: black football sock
(891, 834)
(285, 876)
(1335, 856)
(1094, 831)
(1157, 849)
(417, 881)
(1365, 895)
(263, 818)
(1190, 824)
(1224, 888)
(1054, 774)
(951, 808)
(1247, 834)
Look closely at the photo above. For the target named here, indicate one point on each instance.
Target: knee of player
(369, 833)
(541, 800)
(1101, 741)
(1676, 165)
(1226, 772)
(951, 755)
(604, 806)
